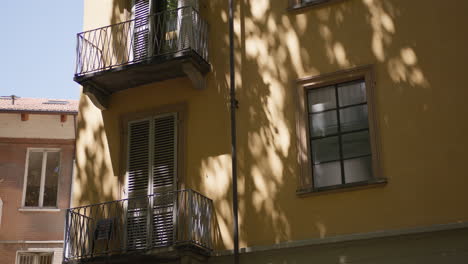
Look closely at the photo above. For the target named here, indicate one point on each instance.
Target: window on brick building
(35, 258)
(41, 178)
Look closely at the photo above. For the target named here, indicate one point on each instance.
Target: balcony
(162, 226)
(162, 46)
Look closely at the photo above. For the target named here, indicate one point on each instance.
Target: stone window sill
(38, 209)
(342, 187)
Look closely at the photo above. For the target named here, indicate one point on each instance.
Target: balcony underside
(186, 63)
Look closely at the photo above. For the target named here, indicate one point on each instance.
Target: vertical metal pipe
(233, 132)
(66, 235)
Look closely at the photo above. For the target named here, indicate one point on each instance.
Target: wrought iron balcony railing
(141, 39)
(159, 221)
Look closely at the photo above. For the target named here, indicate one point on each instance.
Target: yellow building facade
(301, 197)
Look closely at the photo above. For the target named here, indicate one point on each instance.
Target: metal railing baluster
(102, 229)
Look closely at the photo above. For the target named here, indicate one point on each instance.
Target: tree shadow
(275, 47)
(94, 180)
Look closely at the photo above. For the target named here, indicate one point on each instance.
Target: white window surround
(42, 183)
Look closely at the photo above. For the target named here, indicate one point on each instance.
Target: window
(151, 170)
(337, 131)
(298, 4)
(41, 178)
(35, 258)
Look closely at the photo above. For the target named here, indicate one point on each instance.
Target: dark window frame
(306, 178)
(297, 5)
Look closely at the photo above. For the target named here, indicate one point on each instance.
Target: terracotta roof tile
(38, 105)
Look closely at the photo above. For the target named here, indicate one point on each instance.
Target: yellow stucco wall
(418, 50)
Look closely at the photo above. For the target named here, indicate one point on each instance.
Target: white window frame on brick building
(32, 257)
(43, 177)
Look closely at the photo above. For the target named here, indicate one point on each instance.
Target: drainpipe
(67, 212)
(73, 159)
(234, 105)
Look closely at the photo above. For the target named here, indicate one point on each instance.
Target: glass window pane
(325, 149)
(354, 118)
(356, 144)
(51, 180)
(352, 93)
(323, 124)
(321, 99)
(357, 170)
(33, 179)
(327, 174)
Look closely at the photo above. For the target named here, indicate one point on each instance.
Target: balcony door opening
(161, 26)
(151, 182)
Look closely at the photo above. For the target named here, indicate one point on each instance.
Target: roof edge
(44, 112)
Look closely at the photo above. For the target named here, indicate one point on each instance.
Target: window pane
(356, 144)
(352, 93)
(323, 124)
(51, 180)
(327, 174)
(321, 99)
(325, 149)
(353, 118)
(33, 179)
(357, 170)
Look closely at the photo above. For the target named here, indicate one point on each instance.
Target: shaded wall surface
(417, 54)
(433, 248)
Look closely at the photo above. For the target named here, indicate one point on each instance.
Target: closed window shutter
(164, 163)
(35, 258)
(26, 259)
(137, 185)
(164, 175)
(138, 158)
(45, 259)
(141, 29)
(152, 161)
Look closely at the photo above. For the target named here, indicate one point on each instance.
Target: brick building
(37, 138)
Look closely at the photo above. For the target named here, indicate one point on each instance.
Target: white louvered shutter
(35, 258)
(26, 259)
(141, 29)
(137, 183)
(45, 258)
(152, 169)
(164, 178)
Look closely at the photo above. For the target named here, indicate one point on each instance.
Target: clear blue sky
(37, 45)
